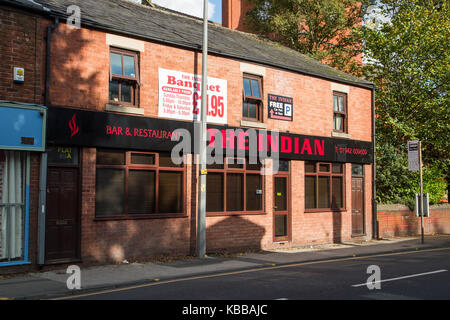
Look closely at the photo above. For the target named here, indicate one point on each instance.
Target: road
(422, 274)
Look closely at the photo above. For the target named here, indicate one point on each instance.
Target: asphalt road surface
(422, 274)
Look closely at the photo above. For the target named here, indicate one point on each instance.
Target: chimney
(233, 14)
(147, 3)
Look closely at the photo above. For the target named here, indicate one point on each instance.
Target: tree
(395, 184)
(409, 63)
(327, 30)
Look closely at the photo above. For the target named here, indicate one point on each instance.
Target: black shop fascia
(74, 127)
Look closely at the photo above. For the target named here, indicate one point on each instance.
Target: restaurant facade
(290, 139)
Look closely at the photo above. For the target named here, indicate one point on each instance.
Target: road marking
(244, 271)
(400, 278)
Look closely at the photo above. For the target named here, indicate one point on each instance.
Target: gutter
(48, 59)
(43, 169)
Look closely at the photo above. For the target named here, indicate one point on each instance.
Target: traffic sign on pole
(425, 206)
(413, 156)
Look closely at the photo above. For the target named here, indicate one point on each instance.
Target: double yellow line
(223, 274)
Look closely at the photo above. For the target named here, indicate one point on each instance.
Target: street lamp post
(201, 218)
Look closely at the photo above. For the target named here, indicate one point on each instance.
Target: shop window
(137, 184)
(12, 205)
(235, 187)
(252, 104)
(124, 77)
(324, 186)
(340, 112)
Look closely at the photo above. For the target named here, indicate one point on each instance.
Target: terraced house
(92, 112)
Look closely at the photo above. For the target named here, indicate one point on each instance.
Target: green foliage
(393, 178)
(433, 183)
(327, 30)
(410, 64)
(395, 184)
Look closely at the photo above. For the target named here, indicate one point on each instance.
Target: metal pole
(421, 191)
(201, 220)
(375, 234)
(42, 208)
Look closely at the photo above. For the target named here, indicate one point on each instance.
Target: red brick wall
(80, 76)
(133, 239)
(21, 45)
(403, 222)
(306, 227)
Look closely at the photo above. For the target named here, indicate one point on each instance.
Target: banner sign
(280, 108)
(108, 130)
(180, 97)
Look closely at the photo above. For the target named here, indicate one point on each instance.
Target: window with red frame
(340, 112)
(252, 104)
(324, 186)
(234, 187)
(124, 77)
(137, 184)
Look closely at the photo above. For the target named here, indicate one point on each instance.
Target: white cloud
(191, 7)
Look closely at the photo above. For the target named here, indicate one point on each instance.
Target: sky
(194, 7)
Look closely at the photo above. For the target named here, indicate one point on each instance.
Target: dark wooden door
(281, 208)
(62, 218)
(357, 206)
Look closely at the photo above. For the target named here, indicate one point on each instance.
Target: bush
(396, 184)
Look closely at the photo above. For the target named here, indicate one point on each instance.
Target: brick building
(22, 131)
(119, 89)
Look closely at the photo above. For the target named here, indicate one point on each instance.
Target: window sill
(144, 216)
(237, 213)
(253, 124)
(324, 210)
(340, 135)
(14, 263)
(123, 109)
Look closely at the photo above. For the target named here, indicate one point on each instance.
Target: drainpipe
(47, 60)
(375, 234)
(43, 169)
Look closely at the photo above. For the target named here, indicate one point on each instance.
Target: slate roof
(165, 26)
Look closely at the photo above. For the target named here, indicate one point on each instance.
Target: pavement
(53, 284)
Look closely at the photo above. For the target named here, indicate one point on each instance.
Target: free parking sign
(280, 108)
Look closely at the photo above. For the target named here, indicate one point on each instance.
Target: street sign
(413, 156)
(426, 205)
